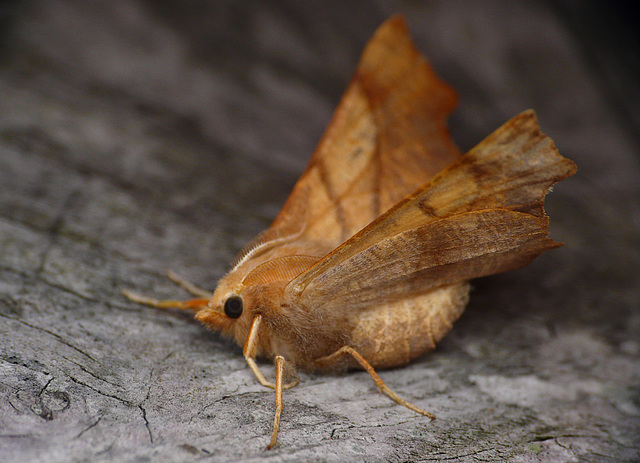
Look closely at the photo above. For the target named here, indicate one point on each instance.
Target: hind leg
(346, 350)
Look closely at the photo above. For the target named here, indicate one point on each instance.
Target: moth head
(236, 302)
(226, 309)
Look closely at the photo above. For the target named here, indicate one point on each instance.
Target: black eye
(233, 307)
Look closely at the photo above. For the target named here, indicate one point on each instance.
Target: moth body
(388, 334)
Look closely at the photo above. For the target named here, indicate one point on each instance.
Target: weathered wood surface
(140, 136)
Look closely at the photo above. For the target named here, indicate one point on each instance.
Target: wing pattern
(482, 215)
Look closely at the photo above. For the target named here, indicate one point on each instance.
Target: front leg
(249, 352)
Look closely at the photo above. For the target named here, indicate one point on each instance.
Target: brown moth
(368, 263)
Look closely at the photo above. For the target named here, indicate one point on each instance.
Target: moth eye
(233, 307)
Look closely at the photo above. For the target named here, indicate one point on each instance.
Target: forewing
(387, 137)
(482, 215)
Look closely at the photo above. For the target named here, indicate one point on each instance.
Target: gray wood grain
(139, 136)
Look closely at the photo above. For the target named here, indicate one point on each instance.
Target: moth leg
(192, 305)
(279, 388)
(249, 353)
(325, 361)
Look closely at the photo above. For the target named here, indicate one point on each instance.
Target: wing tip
(397, 23)
(391, 54)
(528, 120)
(524, 133)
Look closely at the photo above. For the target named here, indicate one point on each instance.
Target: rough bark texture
(137, 136)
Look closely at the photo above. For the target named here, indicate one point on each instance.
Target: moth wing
(387, 137)
(482, 215)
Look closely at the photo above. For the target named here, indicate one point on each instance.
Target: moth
(368, 263)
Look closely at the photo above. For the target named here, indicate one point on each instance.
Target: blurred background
(139, 136)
